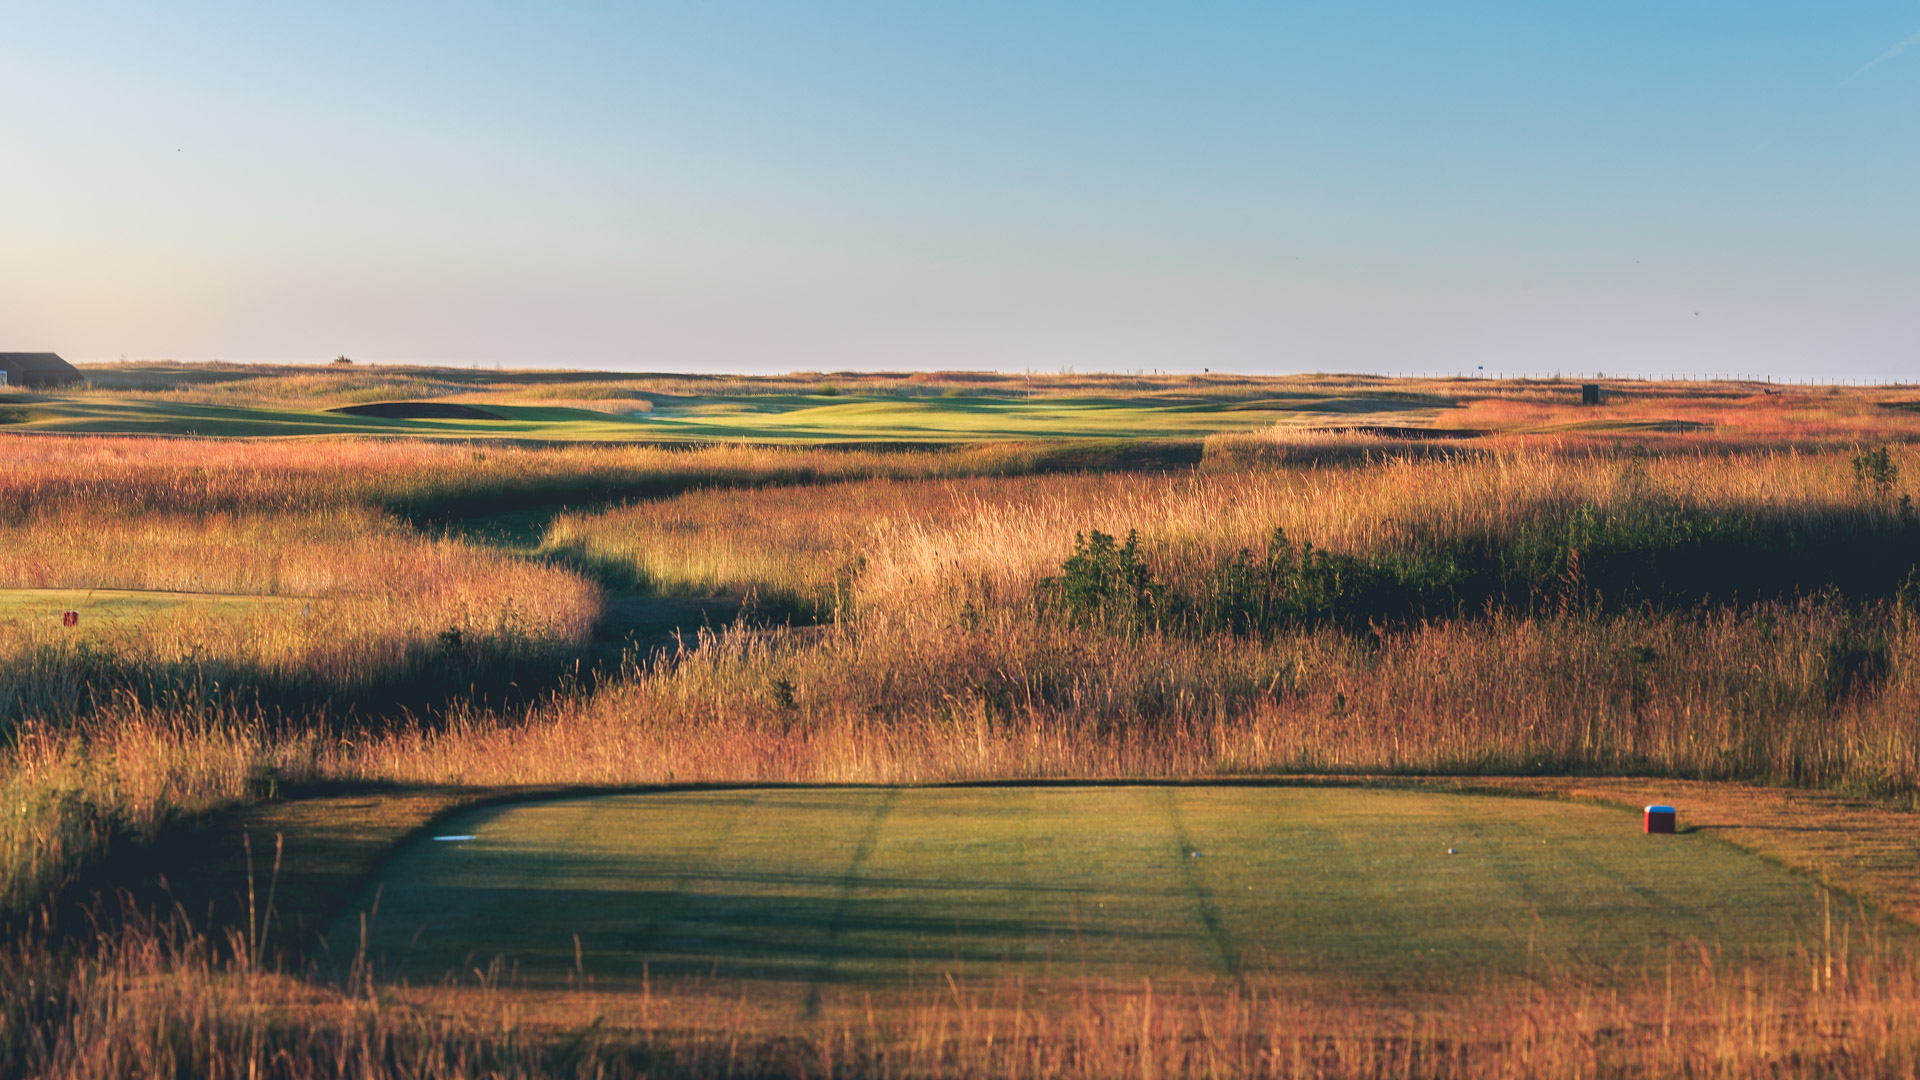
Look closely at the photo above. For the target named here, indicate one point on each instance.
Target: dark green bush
(1876, 471)
(1105, 584)
(1299, 584)
(1671, 557)
(1589, 559)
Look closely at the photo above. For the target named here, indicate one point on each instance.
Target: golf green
(799, 889)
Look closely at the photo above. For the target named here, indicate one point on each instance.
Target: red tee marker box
(1660, 819)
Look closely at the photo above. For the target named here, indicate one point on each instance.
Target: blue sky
(759, 187)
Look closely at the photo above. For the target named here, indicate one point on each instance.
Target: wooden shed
(34, 369)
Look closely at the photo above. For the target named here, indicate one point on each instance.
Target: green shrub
(1876, 471)
(1585, 558)
(1301, 585)
(1671, 557)
(1105, 584)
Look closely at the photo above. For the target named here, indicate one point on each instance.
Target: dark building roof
(37, 369)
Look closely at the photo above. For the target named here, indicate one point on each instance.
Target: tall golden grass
(925, 552)
(1745, 696)
(122, 475)
(802, 549)
(366, 590)
(376, 602)
(936, 664)
(1733, 416)
(70, 792)
(119, 724)
(935, 661)
(162, 1000)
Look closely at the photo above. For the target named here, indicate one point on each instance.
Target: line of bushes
(1588, 560)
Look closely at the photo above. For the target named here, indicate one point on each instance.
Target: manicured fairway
(796, 890)
(758, 419)
(812, 419)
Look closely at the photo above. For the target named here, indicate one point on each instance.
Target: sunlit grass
(1380, 893)
(262, 400)
(166, 999)
(261, 611)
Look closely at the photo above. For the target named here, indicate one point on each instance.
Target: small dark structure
(37, 369)
(1590, 393)
(1660, 819)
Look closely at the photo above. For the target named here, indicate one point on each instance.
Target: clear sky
(1649, 187)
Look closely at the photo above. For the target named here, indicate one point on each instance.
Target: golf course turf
(789, 419)
(803, 892)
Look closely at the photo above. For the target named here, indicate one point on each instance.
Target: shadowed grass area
(808, 896)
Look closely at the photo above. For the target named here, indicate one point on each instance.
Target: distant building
(37, 369)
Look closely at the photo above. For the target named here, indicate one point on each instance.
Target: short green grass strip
(793, 890)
